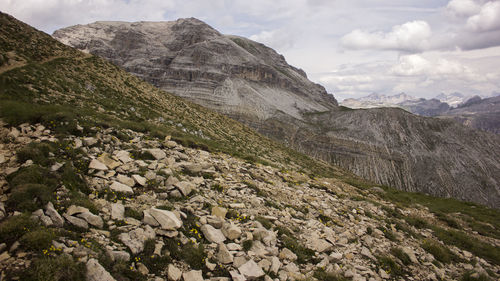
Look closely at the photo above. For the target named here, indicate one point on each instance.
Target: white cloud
(418, 65)
(411, 36)
(487, 19)
(463, 8)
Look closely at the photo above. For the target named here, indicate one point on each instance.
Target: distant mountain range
(473, 111)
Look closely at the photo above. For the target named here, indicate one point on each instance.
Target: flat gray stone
(173, 273)
(97, 165)
(212, 234)
(96, 272)
(168, 220)
(117, 211)
(76, 221)
(120, 187)
(193, 275)
(251, 270)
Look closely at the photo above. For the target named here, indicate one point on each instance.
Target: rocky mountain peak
(191, 59)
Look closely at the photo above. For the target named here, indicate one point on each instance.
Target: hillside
(254, 85)
(104, 177)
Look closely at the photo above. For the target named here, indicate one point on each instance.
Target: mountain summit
(190, 59)
(254, 85)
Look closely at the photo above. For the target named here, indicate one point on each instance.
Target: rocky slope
(104, 177)
(253, 84)
(151, 209)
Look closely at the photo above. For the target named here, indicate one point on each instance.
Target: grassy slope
(42, 80)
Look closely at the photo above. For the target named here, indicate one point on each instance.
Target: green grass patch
(471, 244)
(387, 264)
(440, 252)
(38, 152)
(12, 228)
(322, 275)
(401, 255)
(133, 213)
(59, 268)
(304, 255)
(38, 239)
(265, 222)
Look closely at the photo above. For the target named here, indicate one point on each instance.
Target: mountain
(105, 177)
(453, 99)
(192, 60)
(253, 84)
(374, 100)
(414, 105)
(478, 113)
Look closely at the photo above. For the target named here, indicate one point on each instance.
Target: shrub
(247, 245)
(193, 255)
(12, 228)
(468, 277)
(30, 197)
(304, 255)
(32, 174)
(389, 265)
(402, 256)
(155, 264)
(58, 268)
(133, 213)
(322, 275)
(265, 222)
(417, 222)
(471, 244)
(39, 239)
(440, 252)
(38, 152)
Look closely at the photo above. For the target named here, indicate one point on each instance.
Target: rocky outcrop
(253, 84)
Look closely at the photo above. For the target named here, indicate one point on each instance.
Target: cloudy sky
(352, 47)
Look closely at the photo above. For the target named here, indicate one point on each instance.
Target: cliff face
(253, 84)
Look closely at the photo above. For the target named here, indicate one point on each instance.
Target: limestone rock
(231, 231)
(95, 272)
(251, 270)
(76, 221)
(106, 160)
(286, 254)
(125, 180)
(212, 234)
(193, 275)
(92, 219)
(173, 273)
(139, 180)
(223, 255)
(185, 187)
(157, 153)
(117, 211)
(219, 212)
(120, 187)
(167, 219)
(97, 165)
(54, 215)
